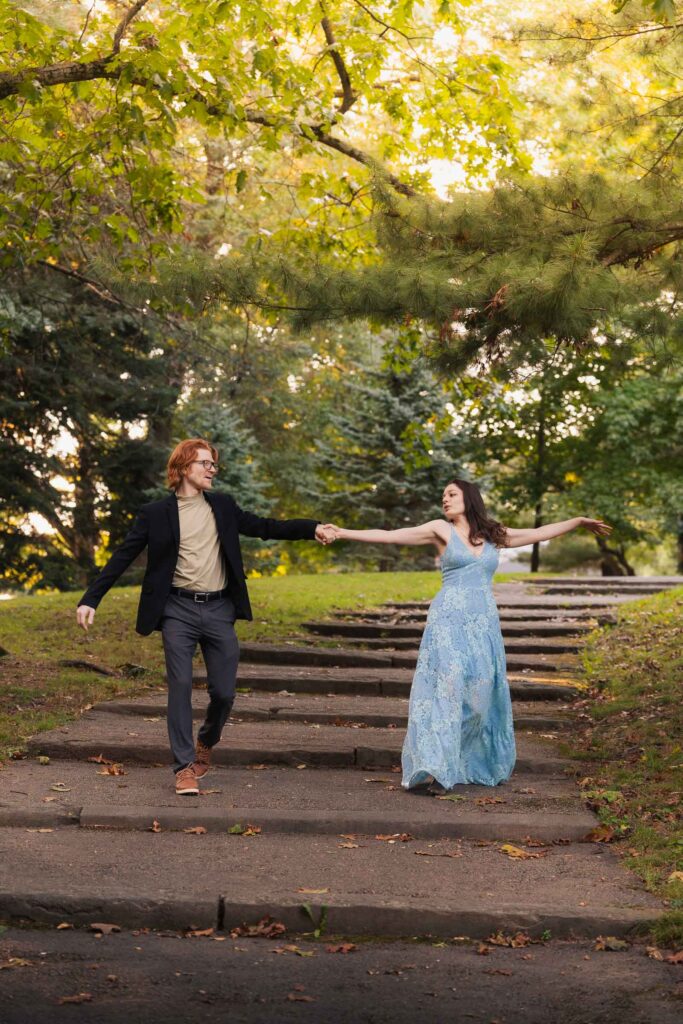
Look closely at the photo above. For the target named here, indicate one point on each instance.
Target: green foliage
(108, 121)
(632, 734)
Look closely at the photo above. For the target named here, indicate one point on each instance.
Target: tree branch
(131, 13)
(348, 95)
(67, 72)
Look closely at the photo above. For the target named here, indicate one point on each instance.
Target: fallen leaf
(100, 759)
(209, 792)
(343, 947)
(154, 827)
(514, 941)
(60, 787)
(198, 933)
(526, 789)
(266, 928)
(349, 835)
(313, 892)
(348, 846)
(104, 929)
(63, 926)
(481, 800)
(292, 949)
(244, 830)
(376, 780)
(454, 797)
(599, 834)
(299, 997)
(301, 766)
(518, 854)
(113, 769)
(610, 944)
(14, 961)
(654, 953)
(82, 997)
(49, 799)
(197, 830)
(40, 830)
(151, 719)
(483, 949)
(43, 759)
(497, 970)
(675, 876)
(529, 841)
(401, 837)
(260, 767)
(675, 958)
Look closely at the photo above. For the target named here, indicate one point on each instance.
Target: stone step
(618, 582)
(509, 627)
(141, 880)
(580, 618)
(360, 630)
(384, 681)
(630, 592)
(551, 603)
(405, 644)
(284, 743)
(289, 654)
(381, 712)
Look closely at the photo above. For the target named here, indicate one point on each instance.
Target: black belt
(199, 596)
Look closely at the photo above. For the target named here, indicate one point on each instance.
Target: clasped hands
(326, 533)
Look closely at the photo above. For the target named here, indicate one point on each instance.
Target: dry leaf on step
(518, 854)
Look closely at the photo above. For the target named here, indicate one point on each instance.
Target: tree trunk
(536, 550)
(613, 561)
(86, 532)
(679, 566)
(539, 481)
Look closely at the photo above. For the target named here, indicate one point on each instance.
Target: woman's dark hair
(482, 526)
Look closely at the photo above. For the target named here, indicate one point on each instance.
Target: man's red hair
(181, 457)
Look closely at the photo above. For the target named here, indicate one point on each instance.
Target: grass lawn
(38, 692)
(632, 738)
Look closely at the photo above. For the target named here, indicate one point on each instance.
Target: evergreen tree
(75, 378)
(385, 458)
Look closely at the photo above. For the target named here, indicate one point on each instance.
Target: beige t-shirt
(200, 564)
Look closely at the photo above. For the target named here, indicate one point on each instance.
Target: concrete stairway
(304, 805)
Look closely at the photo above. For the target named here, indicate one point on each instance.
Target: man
(193, 590)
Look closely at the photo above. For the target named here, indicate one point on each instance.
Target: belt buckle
(201, 597)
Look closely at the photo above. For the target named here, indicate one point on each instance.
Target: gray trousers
(183, 626)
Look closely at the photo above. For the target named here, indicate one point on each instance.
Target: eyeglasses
(207, 464)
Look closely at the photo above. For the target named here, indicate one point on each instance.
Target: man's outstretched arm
(251, 525)
(134, 542)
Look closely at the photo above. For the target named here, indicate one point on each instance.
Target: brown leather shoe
(186, 782)
(202, 760)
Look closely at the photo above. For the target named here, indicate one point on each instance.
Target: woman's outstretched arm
(434, 532)
(518, 538)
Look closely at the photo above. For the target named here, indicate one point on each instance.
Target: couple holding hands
(460, 717)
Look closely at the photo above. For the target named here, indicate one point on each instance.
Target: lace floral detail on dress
(460, 719)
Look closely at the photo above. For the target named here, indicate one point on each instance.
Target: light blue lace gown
(460, 719)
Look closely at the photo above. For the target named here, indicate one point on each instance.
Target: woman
(460, 717)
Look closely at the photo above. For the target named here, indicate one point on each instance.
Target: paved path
(177, 980)
(307, 780)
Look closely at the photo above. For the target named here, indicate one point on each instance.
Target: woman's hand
(595, 526)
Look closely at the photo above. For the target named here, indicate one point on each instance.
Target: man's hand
(325, 533)
(85, 616)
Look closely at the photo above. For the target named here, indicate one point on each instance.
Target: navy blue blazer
(157, 527)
